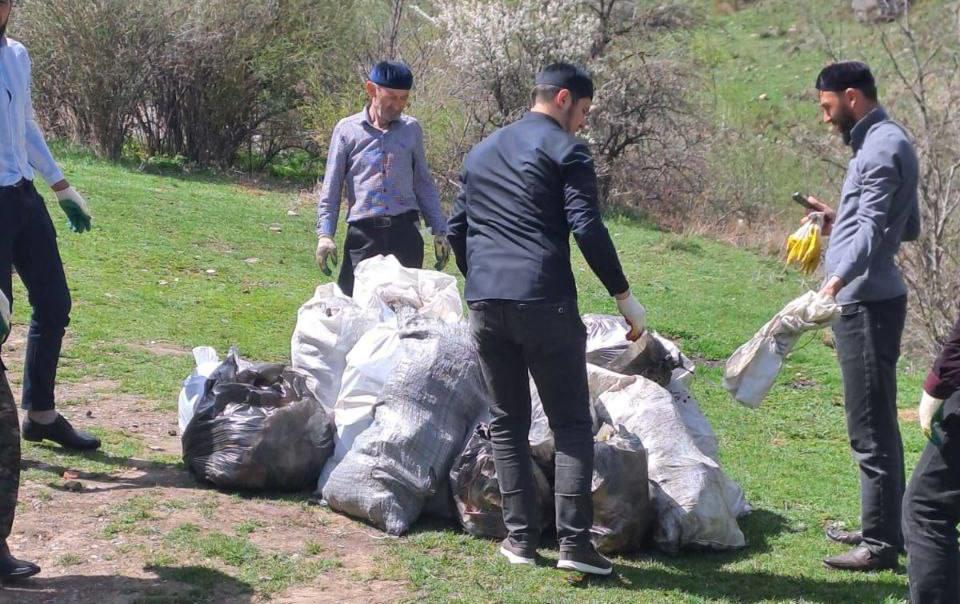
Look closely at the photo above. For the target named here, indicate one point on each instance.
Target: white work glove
(931, 414)
(441, 249)
(635, 315)
(75, 207)
(4, 317)
(326, 250)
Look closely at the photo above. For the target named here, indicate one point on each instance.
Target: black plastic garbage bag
(257, 427)
(476, 490)
(622, 509)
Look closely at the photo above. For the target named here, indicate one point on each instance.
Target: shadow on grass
(173, 585)
(759, 528)
(751, 586)
(151, 473)
(702, 574)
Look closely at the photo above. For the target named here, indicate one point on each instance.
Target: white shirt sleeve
(38, 154)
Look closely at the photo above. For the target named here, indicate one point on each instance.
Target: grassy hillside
(756, 70)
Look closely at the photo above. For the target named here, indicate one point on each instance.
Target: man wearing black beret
(379, 155)
(526, 187)
(878, 210)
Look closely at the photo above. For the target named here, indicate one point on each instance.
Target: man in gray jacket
(878, 210)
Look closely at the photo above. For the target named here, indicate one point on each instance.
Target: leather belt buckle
(382, 222)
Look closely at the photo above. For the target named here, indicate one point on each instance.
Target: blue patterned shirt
(385, 174)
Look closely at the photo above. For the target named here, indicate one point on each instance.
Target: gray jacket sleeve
(880, 178)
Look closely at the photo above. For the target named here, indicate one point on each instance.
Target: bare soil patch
(109, 542)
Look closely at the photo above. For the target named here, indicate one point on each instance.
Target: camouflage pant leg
(9, 457)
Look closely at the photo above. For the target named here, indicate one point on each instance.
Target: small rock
(152, 448)
(71, 475)
(89, 413)
(74, 486)
(293, 213)
(172, 433)
(211, 271)
(252, 260)
(276, 228)
(763, 97)
(162, 282)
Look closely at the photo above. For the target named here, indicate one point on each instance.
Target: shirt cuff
(326, 229)
(53, 177)
(617, 285)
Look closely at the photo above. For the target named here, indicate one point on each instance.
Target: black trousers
(9, 456)
(931, 512)
(397, 235)
(28, 242)
(549, 341)
(868, 347)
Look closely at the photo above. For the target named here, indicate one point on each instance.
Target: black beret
(838, 77)
(391, 74)
(565, 75)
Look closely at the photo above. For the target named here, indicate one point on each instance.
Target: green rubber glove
(441, 249)
(75, 207)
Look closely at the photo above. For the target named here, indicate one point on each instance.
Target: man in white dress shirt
(28, 243)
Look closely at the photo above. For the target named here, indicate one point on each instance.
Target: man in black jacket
(931, 506)
(525, 188)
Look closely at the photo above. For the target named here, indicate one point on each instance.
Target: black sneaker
(516, 554)
(585, 560)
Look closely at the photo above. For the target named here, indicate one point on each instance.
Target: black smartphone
(802, 200)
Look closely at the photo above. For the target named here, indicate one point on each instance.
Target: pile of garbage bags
(393, 378)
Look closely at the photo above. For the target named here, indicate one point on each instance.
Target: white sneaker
(514, 554)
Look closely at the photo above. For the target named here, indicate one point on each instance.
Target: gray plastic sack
(697, 505)
(428, 406)
(622, 510)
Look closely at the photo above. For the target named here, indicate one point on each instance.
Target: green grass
(774, 49)
(790, 456)
(268, 573)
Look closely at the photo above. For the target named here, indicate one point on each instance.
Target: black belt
(385, 222)
(18, 186)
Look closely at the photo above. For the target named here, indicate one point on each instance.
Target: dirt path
(140, 529)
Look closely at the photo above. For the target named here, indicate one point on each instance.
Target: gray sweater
(878, 209)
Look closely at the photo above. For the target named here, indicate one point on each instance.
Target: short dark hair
(562, 76)
(545, 93)
(842, 75)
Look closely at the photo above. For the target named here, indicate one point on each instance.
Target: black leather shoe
(12, 569)
(60, 432)
(838, 535)
(861, 559)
